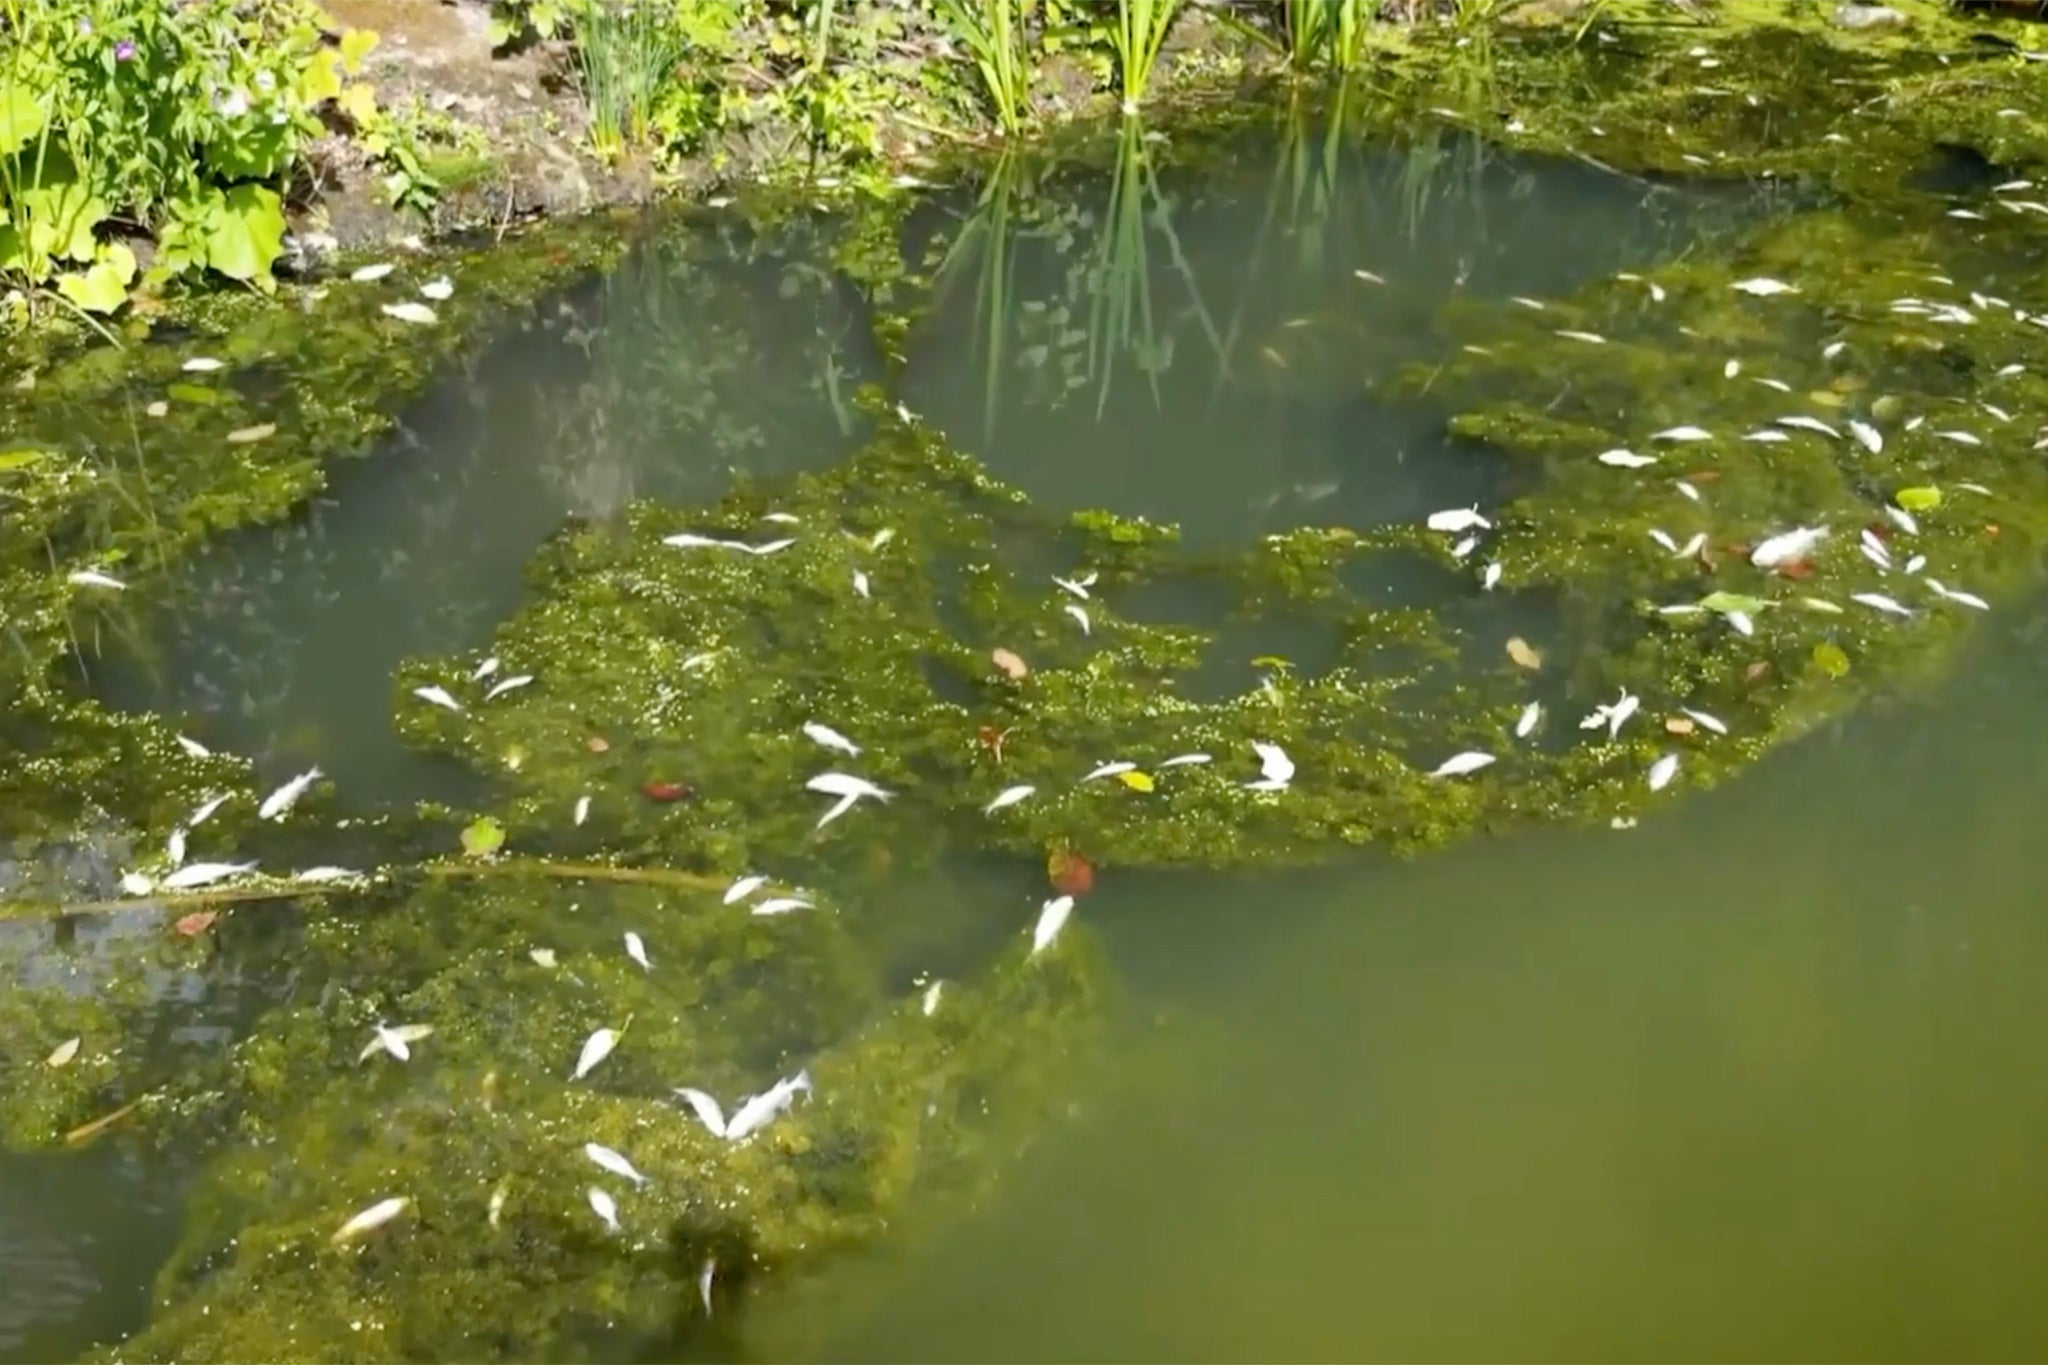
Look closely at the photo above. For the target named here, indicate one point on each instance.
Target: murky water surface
(1759, 1077)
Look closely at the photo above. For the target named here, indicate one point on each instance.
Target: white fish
(1682, 609)
(1080, 614)
(596, 1048)
(439, 290)
(1693, 546)
(1764, 287)
(882, 537)
(1489, 577)
(837, 809)
(543, 958)
(1457, 765)
(1820, 604)
(743, 888)
(371, 273)
(860, 583)
(1527, 302)
(1625, 459)
(829, 738)
(1079, 590)
(1833, 349)
(783, 518)
(1778, 384)
(279, 802)
(496, 1208)
(930, 1003)
(1613, 715)
(1663, 538)
(704, 1282)
(1805, 423)
(1592, 338)
(93, 578)
(613, 1161)
(416, 313)
(201, 364)
(1008, 796)
(1706, 720)
(62, 1054)
(1662, 771)
(439, 697)
(1902, 519)
(174, 847)
(684, 540)
(485, 669)
(844, 784)
(1731, 369)
(1458, 519)
(395, 1042)
(1052, 917)
(781, 905)
(500, 689)
(636, 948)
(1879, 602)
(1682, 434)
(320, 876)
(135, 884)
(1968, 599)
(1532, 715)
(1873, 550)
(204, 874)
(193, 747)
(1787, 546)
(1369, 277)
(2000, 413)
(582, 812)
(1741, 621)
(605, 1207)
(375, 1216)
(1179, 759)
(758, 1112)
(1691, 492)
(1276, 769)
(1916, 563)
(2008, 371)
(706, 1109)
(1869, 436)
(772, 547)
(1767, 436)
(1464, 547)
(1961, 438)
(1109, 770)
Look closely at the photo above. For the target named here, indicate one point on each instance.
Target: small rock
(1860, 17)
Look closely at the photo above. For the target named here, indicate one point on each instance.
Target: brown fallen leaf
(1009, 663)
(1703, 476)
(1524, 654)
(250, 435)
(1069, 872)
(1678, 725)
(198, 922)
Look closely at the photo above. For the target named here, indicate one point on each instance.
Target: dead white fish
(1527, 302)
(1180, 759)
(1876, 554)
(772, 547)
(1877, 601)
(1820, 604)
(201, 364)
(1767, 436)
(1776, 385)
(1787, 546)
(205, 810)
(1008, 796)
(1948, 594)
(1662, 771)
(370, 274)
(1080, 614)
(761, 1110)
(1867, 436)
(417, 314)
(1741, 622)
(1970, 214)
(1916, 563)
(1276, 769)
(194, 748)
(496, 1208)
(1731, 369)
(174, 847)
(1682, 609)
(93, 578)
(370, 1219)
(1691, 492)
(1764, 287)
(582, 811)
(276, 805)
(860, 583)
(1686, 433)
(930, 1001)
(1613, 714)
(544, 958)
(1961, 438)
(1833, 349)
(613, 1161)
(1663, 538)
(704, 1282)
(1591, 338)
(1625, 459)
(781, 905)
(1109, 770)
(882, 537)
(62, 1054)
(1457, 765)
(1489, 577)
(604, 1206)
(705, 1107)
(684, 540)
(394, 1042)
(827, 737)
(135, 884)
(1692, 547)
(439, 697)
(1903, 519)
(1368, 277)
(509, 684)
(324, 875)
(1078, 589)
(2008, 371)
(1706, 721)
(485, 669)
(1052, 918)
(204, 874)
(1805, 423)
(1456, 519)
(439, 290)
(596, 1048)
(636, 948)
(743, 888)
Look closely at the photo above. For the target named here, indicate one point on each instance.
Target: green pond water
(1748, 1071)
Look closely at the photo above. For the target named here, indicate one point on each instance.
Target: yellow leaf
(1524, 654)
(66, 1050)
(1137, 782)
(359, 102)
(356, 44)
(321, 80)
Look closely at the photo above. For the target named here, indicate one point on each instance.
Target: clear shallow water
(1755, 1078)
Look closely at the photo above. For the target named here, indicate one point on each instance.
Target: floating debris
(394, 1042)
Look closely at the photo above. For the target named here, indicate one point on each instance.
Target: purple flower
(124, 51)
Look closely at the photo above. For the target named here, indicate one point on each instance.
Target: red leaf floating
(664, 791)
(1070, 873)
(196, 923)
(1797, 569)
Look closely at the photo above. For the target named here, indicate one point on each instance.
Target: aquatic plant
(1140, 31)
(626, 53)
(993, 31)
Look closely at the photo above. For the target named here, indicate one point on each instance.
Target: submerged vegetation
(1740, 487)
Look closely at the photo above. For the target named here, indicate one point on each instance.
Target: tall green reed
(1326, 32)
(989, 242)
(993, 31)
(1141, 27)
(626, 50)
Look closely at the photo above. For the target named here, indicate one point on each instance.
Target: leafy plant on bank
(992, 31)
(1139, 33)
(182, 120)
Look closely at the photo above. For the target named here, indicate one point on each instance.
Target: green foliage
(1141, 28)
(993, 32)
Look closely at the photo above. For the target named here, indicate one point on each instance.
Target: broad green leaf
(245, 232)
(1829, 659)
(357, 44)
(483, 838)
(321, 80)
(359, 102)
(21, 117)
(99, 289)
(60, 216)
(1922, 499)
(20, 457)
(197, 394)
(254, 149)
